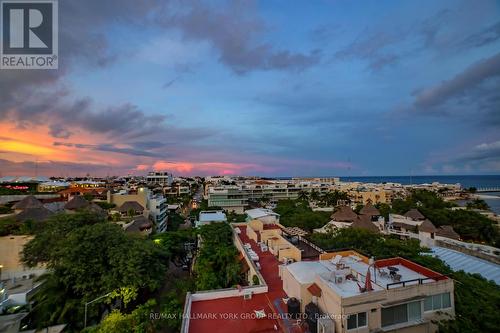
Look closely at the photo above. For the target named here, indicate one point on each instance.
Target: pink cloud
(209, 168)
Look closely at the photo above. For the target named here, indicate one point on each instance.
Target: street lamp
(86, 304)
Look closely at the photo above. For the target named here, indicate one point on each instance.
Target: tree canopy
(297, 213)
(88, 258)
(470, 225)
(217, 265)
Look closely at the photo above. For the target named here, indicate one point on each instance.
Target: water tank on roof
(293, 305)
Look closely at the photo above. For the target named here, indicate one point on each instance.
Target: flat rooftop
(353, 269)
(260, 212)
(212, 216)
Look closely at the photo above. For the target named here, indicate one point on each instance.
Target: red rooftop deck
(271, 302)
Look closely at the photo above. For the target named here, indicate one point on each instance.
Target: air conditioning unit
(247, 296)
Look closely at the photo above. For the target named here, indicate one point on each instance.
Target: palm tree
(303, 196)
(315, 195)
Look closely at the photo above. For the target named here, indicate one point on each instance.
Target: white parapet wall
(226, 293)
(215, 294)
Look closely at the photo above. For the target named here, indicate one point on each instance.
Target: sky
(265, 88)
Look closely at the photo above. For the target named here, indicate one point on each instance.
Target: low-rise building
(345, 217)
(351, 292)
(236, 195)
(262, 214)
(230, 198)
(211, 216)
(159, 178)
(53, 186)
(154, 205)
(335, 292)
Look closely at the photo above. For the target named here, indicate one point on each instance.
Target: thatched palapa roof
(427, 226)
(139, 224)
(130, 205)
(78, 202)
(28, 202)
(37, 214)
(364, 222)
(344, 214)
(448, 232)
(369, 210)
(414, 214)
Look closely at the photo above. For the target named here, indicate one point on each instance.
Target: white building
(160, 178)
(211, 216)
(262, 214)
(155, 205)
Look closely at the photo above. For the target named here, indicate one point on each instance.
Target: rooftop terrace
(235, 314)
(345, 272)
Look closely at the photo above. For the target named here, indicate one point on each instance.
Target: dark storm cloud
(459, 85)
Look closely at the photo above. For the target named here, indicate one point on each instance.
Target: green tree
(217, 264)
(295, 213)
(358, 208)
(138, 321)
(478, 204)
(89, 197)
(173, 243)
(303, 196)
(87, 261)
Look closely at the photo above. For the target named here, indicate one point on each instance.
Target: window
(437, 302)
(414, 311)
(356, 320)
(401, 313)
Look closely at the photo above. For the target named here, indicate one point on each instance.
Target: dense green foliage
(217, 264)
(138, 321)
(173, 243)
(105, 205)
(476, 300)
(470, 225)
(5, 210)
(297, 213)
(87, 258)
(174, 221)
(478, 204)
(9, 226)
(232, 217)
(173, 303)
(327, 199)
